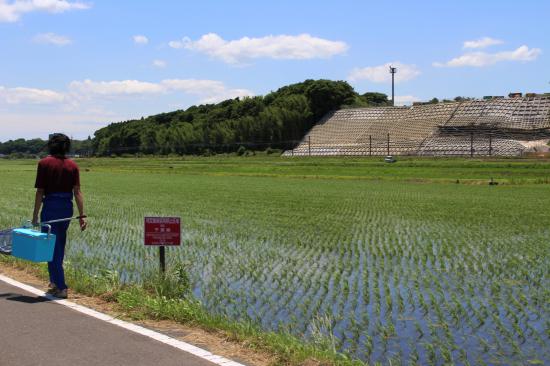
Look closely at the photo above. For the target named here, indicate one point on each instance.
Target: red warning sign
(162, 231)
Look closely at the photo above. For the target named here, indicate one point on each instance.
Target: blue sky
(75, 66)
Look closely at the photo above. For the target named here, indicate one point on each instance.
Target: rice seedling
(382, 270)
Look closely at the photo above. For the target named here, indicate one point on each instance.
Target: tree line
(276, 120)
(21, 148)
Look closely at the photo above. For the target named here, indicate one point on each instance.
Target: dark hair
(59, 144)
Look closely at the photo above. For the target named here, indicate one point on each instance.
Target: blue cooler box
(32, 245)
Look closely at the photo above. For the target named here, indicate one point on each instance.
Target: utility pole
(393, 70)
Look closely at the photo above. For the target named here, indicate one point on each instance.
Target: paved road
(35, 331)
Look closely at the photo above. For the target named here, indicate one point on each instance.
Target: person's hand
(83, 223)
(34, 220)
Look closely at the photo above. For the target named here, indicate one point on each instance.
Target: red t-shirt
(56, 175)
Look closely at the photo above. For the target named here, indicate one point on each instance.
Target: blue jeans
(57, 206)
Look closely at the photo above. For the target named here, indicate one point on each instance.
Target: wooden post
(162, 258)
(471, 144)
(370, 145)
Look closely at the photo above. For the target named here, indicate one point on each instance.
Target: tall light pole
(393, 70)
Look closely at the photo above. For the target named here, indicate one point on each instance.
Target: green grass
(391, 263)
(156, 299)
(410, 169)
(505, 170)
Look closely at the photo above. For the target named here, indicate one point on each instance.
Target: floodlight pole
(393, 70)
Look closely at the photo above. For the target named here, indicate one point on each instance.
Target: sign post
(162, 257)
(161, 232)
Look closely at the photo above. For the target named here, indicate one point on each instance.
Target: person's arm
(37, 204)
(79, 199)
(40, 186)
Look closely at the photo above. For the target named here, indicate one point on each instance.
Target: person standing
(57, 182)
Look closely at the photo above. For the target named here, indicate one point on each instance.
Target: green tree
(280, 116)
(376, 99)
(326, 95)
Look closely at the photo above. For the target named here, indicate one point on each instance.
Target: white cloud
(159, 63)
(140, 39)
(299, 47)
(33, 124)
(112, 88)
(86, 105)
(481, 59)
(21, 95)
(209, 91)
(52, 38)
(381, 74)
(482, 43)
(405, 99)
(12, 11)
(179, 44)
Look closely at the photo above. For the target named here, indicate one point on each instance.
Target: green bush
(174, 284)
(270, 151)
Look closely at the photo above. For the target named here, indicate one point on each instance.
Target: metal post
(162, 257)
(490, 144)
(471, 144)
(370, 145)
(388, 144)
(309, 145)
(393, 70)
(393, 89)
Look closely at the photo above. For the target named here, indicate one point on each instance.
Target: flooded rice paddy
(389, 272)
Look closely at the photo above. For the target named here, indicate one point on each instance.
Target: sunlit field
(416, 262)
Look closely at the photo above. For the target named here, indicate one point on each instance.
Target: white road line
(189, 348)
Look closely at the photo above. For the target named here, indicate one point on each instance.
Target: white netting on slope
(433, 129)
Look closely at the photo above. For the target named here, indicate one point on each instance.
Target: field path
(37, 331)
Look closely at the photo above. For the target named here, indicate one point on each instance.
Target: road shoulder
(217, 343)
